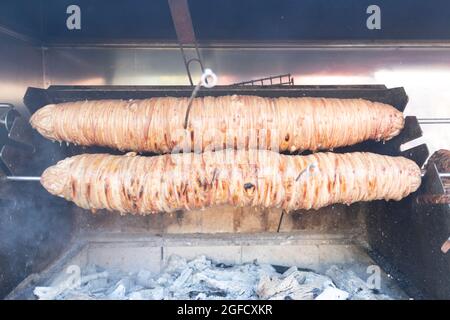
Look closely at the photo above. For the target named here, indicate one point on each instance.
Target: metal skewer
(433, 199)
(22, 178)
(441, 175)
(308, 168)
(433, 120)
(32, 178)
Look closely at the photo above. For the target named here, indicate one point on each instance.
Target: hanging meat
(144, 185)
(215, 123)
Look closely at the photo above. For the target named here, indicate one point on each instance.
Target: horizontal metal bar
(441, 175)
(433, 120)
(31, 178)
(433, 199)
(25, 178)
(60, 42)
(22, 178)
(433, 123)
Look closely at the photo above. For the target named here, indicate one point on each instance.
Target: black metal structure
(37, 97)
(33, 230)
(394, 228)
(35, 227)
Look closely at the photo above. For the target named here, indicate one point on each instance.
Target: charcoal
(204, 279)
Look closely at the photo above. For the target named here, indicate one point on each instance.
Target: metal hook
(187, 64)
(307, 169)
(207, 80)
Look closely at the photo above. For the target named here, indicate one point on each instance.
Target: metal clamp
(207, 80)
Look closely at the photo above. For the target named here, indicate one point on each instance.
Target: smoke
(34, 226)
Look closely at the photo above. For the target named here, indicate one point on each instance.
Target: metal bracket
(208, 74)
(16, 145)
(182, 21)
(435, 190)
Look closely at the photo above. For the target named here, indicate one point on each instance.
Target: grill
(41, 236)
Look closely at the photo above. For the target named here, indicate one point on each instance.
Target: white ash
(201, 278)
(347, 280)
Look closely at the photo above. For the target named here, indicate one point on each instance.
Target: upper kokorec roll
(144, 185)
(215, 123)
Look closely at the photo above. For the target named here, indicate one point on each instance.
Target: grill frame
(386, 221)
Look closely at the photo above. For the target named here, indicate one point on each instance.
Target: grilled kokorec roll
(143, 185)
(215, 123)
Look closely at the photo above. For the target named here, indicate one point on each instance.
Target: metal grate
(283, 79)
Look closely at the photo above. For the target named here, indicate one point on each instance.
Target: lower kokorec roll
(144, 185)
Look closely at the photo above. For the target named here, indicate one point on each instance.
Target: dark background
(231, 20)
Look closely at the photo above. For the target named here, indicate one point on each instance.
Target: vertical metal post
(182, 22)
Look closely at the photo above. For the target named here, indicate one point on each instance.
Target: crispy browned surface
(143, 185)
(441, 159)
(216, 123)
